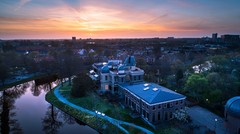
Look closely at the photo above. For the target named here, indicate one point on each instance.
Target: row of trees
(64, 63)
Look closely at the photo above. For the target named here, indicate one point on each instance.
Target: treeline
(64, 63)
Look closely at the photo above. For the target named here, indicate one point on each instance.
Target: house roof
(152, 93)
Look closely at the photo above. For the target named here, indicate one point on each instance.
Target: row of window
(115, 79)
(167, 105)
(167, 116)
(133, 78)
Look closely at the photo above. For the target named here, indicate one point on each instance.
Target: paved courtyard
(202, 117)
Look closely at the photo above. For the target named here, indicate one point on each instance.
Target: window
(106, 87)
(159, 106)
(165, 105)
(143, 113)
(135, 78)
(147, 115)
(171, 115)
(106, 77)
(139, 77)
(153, 117)
(168, 105)
(153, 107)
(176, 102)
(159, 116)
(166, 116)
(138, 108)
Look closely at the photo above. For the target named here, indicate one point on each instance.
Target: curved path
(112, 120)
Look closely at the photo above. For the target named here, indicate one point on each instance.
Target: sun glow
(112, 19)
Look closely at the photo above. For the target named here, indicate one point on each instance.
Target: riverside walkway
(112, 120)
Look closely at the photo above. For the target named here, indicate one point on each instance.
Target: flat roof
(152, 93)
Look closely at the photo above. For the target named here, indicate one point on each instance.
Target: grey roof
(152, 93)
(232, 106)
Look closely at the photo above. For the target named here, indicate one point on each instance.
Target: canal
(24, 110)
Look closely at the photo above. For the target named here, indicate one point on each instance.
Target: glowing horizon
(57, 19)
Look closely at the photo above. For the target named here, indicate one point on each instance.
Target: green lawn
(99, 124)
(94, 102)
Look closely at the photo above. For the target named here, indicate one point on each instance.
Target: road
(203, 117)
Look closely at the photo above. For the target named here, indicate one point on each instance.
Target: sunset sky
(55, 19)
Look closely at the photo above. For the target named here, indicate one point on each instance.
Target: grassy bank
(98, 124)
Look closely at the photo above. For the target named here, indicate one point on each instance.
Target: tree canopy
(81, 85)
(196, 84)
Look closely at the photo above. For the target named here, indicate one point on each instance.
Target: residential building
(153, 102)
(230, 38)
(214, 36)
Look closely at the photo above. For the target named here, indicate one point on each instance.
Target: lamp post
(215, 126)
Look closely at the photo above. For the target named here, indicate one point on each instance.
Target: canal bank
(23, 79)
(100, 122)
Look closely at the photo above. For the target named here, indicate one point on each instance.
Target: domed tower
(232, 115)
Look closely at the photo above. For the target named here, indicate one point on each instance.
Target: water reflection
(8, 113)
(50, 122)
(24, 110)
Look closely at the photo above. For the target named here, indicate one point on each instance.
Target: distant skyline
(58, 19)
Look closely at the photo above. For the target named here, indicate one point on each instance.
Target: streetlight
(215, 126)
